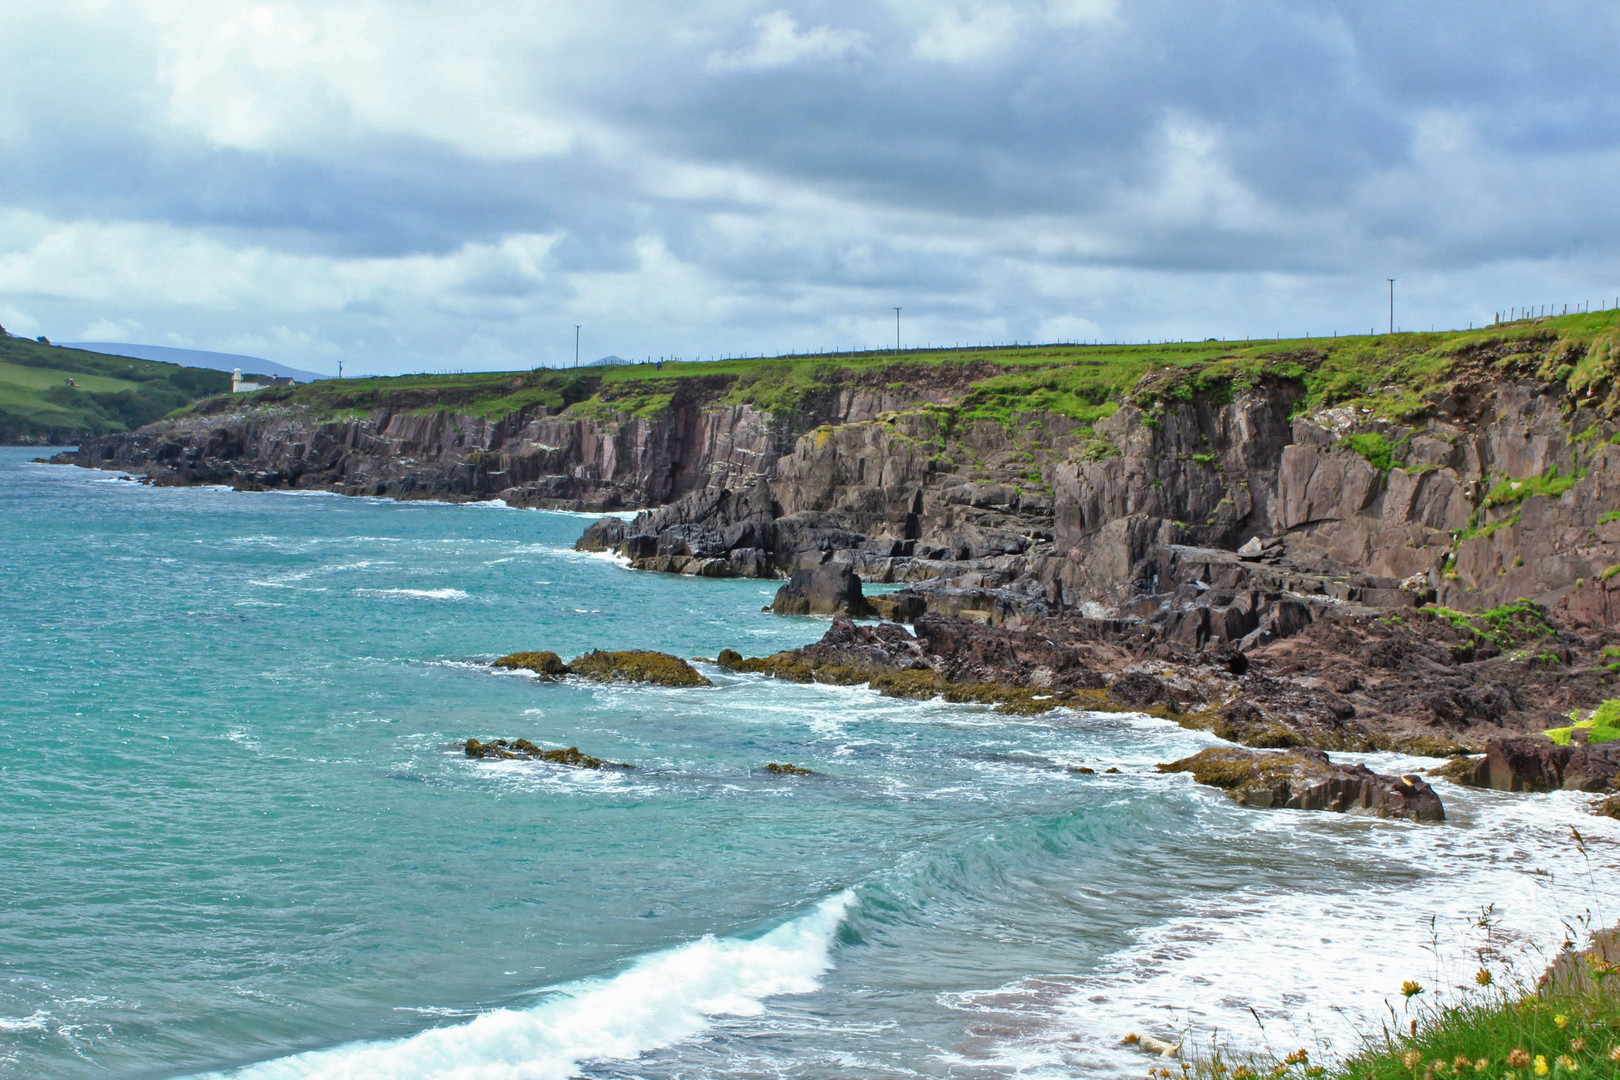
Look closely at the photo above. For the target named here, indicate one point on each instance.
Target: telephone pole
(896, 329)
(576, 344)
(1391, 304)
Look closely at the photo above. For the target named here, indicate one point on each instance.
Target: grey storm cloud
(360, 180)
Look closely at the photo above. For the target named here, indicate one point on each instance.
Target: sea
(239, 836)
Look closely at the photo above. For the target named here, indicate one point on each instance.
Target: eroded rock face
(1536, 763)
(547, 665)
(829, 589)
(1303, 779)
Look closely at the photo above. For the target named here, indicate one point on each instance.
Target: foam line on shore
(664, 998)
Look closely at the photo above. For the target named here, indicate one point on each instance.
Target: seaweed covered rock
(728, 659)
(1608, 807)
(828, 589)
(1242, 722)
(524, 750)
(637, 665)
(780, 769)
(1302, 779)
(1535, 763)
(547, 665)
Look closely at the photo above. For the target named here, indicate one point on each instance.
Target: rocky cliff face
(1223, 511)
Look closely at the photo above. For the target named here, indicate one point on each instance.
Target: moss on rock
(637, 665)
(547, 665)
(780, 769)
(524, 750)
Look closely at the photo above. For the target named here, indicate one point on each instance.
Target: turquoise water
(239, 835)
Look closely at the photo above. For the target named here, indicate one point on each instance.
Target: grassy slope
(1391, 376)
(113, 393)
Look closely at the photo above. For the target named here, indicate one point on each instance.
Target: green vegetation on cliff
(1392, 377)
(108, 393)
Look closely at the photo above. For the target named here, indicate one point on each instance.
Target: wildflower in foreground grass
(1568, 1064)
(1562, 1021)
(1410, 989)
(1541, 1064)
(1517, 1058)
(1614, 1053)
(1577, 1046)
(1483, 977)
(1412, 1058)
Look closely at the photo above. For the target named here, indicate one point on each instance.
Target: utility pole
(576, 344)
(1391, 304)
(896, 329)
(340, 369)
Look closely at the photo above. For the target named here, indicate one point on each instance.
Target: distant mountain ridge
(218, 361)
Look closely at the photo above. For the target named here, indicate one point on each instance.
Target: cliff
(1207, 486)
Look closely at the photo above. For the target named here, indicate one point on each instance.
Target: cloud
(779, 43)
(417, 186)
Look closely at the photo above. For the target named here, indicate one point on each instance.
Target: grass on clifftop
(111, 393)
(1389, 376)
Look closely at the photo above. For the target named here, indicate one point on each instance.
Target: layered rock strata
(1308, 780)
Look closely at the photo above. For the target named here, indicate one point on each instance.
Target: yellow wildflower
(1517, 1058)
(1482, 977)
(1298, 1057)
(1410, 989)
(1541, 1065)
(1562, 1021)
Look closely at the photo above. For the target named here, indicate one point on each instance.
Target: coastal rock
(780, 769)
(829, 589)
(524, 750)
(637, 666)
(603, 534)
(1304, 779)
(547, 665)
(1535, 763)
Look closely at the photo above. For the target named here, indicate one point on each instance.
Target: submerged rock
(828, 589)
(524, 750)
(548, 665)
(637, 665)
(777, 769)
(1534, 763)
(1302, 779)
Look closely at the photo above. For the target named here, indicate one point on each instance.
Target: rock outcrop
(1308, 780)
(829, 589)
(637, 666)
(1535, 763)
(524, 750)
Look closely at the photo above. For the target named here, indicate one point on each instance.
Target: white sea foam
(417, 594)
(1320, 968)
(39, 1021)
(665, 998)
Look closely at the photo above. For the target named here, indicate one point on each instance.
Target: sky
(415, 185)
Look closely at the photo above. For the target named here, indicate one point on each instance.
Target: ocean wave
(665, 998)
(417, 594)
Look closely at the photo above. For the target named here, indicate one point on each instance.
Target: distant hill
(201, 358)
(58, 394)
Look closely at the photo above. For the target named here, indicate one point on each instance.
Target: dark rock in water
(1609, 807)
(1306, 780)
(637, 665)
(524, 750)
(728, 659)
(829, 589)
(547, 665)
(776, 769)
(1535, 763)
(603, 534)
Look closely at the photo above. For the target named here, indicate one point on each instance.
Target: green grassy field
(1392, 376)
(111, 393)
